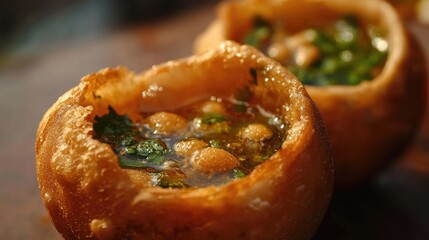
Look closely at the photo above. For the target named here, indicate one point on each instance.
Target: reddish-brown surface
(393, 206)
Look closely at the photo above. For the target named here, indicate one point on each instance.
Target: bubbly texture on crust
(89, 196)
(368, 124)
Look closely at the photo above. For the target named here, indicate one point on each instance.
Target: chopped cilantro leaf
(212, 118)
(169, 180)
(150, 147)
(215, 143)
(115, 129)
(127, 162)
(155, 159)
(127, 141)
(150, 152)
(260, 34)
(238, 173)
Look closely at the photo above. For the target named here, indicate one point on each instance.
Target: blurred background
(46, 46)
(29, 27)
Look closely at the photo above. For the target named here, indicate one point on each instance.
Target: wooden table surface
(34, 74)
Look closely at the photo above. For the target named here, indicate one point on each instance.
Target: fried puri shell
(368, 124)
(88, 195)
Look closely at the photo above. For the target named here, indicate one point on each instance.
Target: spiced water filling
(207, 143)
(346, 52)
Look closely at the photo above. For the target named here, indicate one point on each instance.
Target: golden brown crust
(88, 195)
(368, 124)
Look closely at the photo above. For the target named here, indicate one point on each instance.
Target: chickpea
(279, 52)
(214, 160)
(306, 55)
(188, 147)
(213, 107)
(299, 39)
(166, 123)
(297, 48)
(255, 132)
